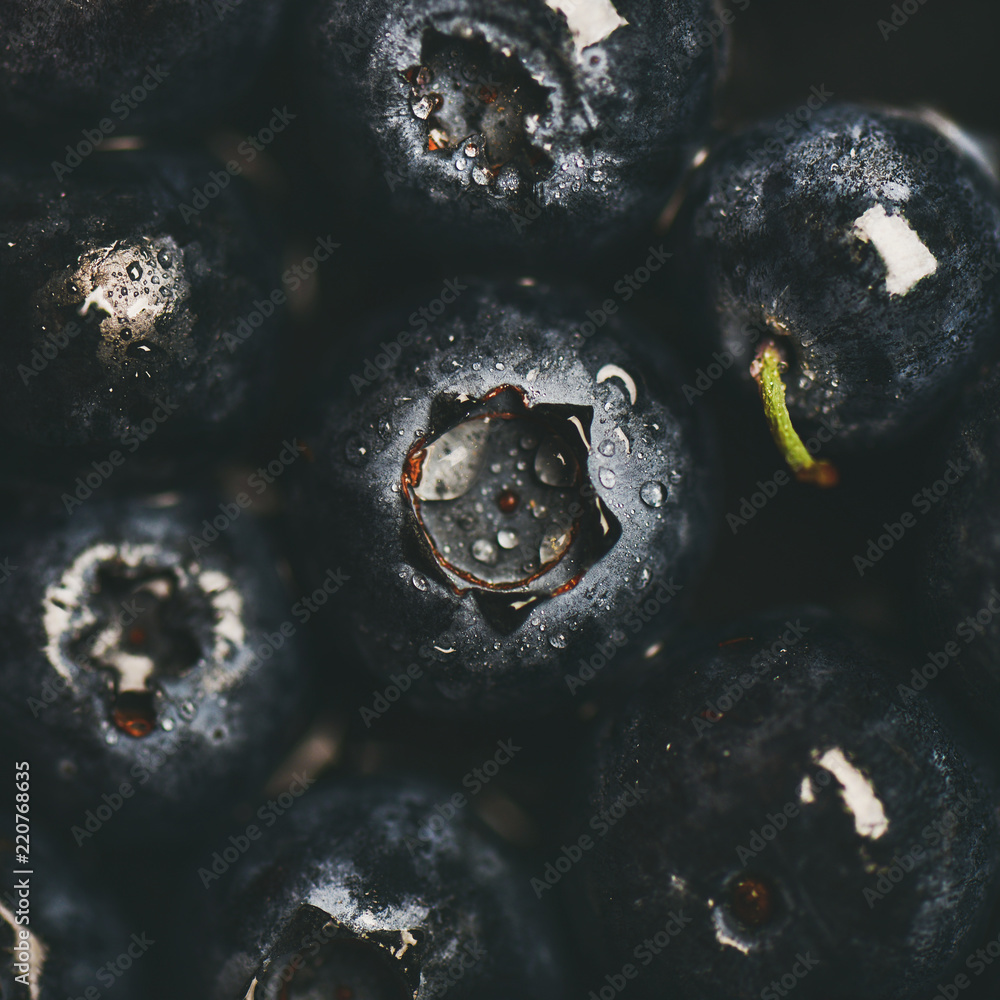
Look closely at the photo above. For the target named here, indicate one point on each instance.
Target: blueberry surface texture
(375, 896)
(117, 67)
(508, 498)
(73, 925)
(121, 304)
(148, 677)
(856, 244)
(793, 821)
(526, 123)
(960, 578)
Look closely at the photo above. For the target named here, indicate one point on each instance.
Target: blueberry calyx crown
(382, 965)
(140, 620)
(479, 106)
(501, 499)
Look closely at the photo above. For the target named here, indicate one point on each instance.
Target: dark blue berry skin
(960, 577)
(371, 889)
(640, 511)
(162, 288)
(774, 231)
(117, 68)
(75, 925)
(132, 652)
(615, 121)
(747, 830)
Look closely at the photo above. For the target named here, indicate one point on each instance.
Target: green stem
(767, 368)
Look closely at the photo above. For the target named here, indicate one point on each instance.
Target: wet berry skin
(75, 925)
(497, 122)
(373, 894)
(138, 651)
(123, 304)
(510, 497)
(860, 242)
(796, 819)
(960, 575)
(116, 68)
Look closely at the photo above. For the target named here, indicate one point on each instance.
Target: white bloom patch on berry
(590, 21)
(906, 258)
(858, 794)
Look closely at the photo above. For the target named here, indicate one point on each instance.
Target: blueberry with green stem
(856, 251)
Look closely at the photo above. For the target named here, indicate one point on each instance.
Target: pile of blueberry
(498, 500)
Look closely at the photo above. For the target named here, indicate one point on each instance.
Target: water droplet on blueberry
(653, 494)
(484, 551)
(507, 539)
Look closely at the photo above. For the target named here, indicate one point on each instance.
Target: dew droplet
(507, 539)
(653, 494)
(485, 551)
(554, 543)
(607, 478)
(554, 465)
(355, 451)
(453, 461)
(557, 641)
(167, 723)
(163, 259)
(418, 581)
(134, 270)
(606, 448)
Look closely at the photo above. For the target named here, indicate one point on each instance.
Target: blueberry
(508, 495)
(140, 660)
(379, 893)
(122, 303)
(106, 68)
(73, 925)
(536, 123)
(792, 820)
(960, 581)
(851, 253)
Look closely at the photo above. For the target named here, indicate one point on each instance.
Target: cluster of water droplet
(491, 492)
(126, 288)
(481, 105)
